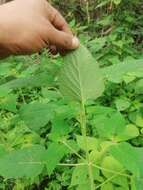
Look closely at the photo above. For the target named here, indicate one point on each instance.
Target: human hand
(27, 26)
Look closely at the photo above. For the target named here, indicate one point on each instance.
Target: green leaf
(80, 77)
(36, 115)
(5, 69)
(105, 21)
(107, 186)
(117, 2)
(136, 118)
(136, 183)
(39, 79)
(109, 125)
(111, 163)
(60, 128)
(139, 153)
(103, 3)
(130, 132)
(80, 175)
(2, 151)
(54, 154)
(122, 104)
(27, 162)
(92, 143)
(97, 44)
(84, 186)
(126, 155)
(134, 68)
(8, 102)
(99, 110)
(139, 87)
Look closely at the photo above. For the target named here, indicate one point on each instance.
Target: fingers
(62, 39)
(56, 19)
(59, 35)
(53, 50)
(60, 23)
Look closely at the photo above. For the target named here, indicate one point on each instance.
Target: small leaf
(80, 175)
(92, 143)
(139, 87)
(111, 163)
(54, 154)
(97, 44)
(107, 186)
(60, 128)
(8, 103)
(136, 118)
(122, 104)
(80, 77)
(117, 2)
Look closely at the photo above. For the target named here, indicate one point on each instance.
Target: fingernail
(75, 42)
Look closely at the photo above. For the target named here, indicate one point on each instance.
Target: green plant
(75, 142)
(59, 130)
(76, 83)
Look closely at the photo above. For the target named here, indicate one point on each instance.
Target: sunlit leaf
(80, 77)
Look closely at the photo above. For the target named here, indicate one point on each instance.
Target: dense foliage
(76, 122)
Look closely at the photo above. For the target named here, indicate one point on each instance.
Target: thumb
(63, 40)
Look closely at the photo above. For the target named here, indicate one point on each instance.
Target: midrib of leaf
(80, 84)
(31, 163)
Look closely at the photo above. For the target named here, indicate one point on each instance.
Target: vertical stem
(87, 12)
(83, 130)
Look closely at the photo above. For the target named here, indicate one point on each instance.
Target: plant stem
(87, 12)
(74, 151)
(65, 164)
(83, 131)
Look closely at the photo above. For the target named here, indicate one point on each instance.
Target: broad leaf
(126, 155)
(27, 162)
(36, 115)
(109, 125)
(80, 77)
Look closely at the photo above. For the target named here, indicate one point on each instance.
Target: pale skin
(28, 26)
